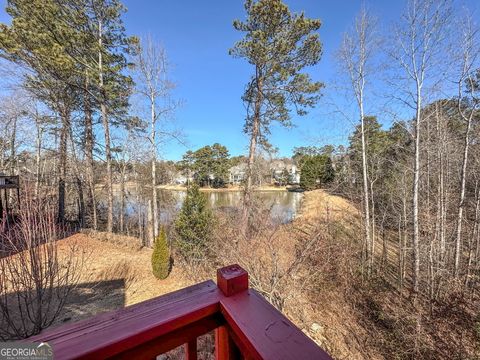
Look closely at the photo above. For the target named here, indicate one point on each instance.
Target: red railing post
(191, 350)
(225, 348)
(230, 280)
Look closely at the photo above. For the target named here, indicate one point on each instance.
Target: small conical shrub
(194, 224)
(161, 256)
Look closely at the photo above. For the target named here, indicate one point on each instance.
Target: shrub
(161, 256)
(194, 225)
(37, 276)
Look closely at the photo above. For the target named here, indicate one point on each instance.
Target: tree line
(416, 180)
(78, 72)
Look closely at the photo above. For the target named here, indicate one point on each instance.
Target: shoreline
(227, 189)
(130, 185)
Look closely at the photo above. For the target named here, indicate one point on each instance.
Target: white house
(278, 168)
(236, 174)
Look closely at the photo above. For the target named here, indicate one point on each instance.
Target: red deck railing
(246, 326)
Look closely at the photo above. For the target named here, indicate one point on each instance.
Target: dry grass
(318, 204)
(114, 276)
(125, 241)
(350, 320)
(372, 319)
(327, 316)
(117, 273)
(301, 268)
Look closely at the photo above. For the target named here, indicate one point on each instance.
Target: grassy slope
(373, 319)
(337, 317)
(122, 276)
(114, 276)
(339, 330)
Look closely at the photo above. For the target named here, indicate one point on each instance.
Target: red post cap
(232, 279)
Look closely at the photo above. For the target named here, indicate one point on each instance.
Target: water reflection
(283, 205)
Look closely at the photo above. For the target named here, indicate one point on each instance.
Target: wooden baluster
(230, 280)
(191, 350)
(225, 348)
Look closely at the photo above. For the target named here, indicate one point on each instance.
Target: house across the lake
(237, 173)
(278, 172)
(284, 171)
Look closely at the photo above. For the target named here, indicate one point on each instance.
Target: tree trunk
(81, 202)
(400, 254)
(64, 133)
(78, 181)
(441, 192)
(149, 241)
(154, 168)
(2, 156)
(122, 199)
(373, 225)
(461, 202)
(92, 206)
(247, 199)
(38, 157)
(106, 129)
(366, 197)
(13, 155)
(416, 181)
(476, 230)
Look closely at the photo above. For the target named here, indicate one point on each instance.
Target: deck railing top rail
(246, 326)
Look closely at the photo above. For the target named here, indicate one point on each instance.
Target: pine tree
(114, 87)
(76, 51)
(279, 45)
(209, 163)
(161, 256)
(194, 224)
(32, 41)
(317, 170)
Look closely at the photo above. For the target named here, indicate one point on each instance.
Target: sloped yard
(113, 276)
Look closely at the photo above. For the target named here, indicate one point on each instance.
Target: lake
(283, 205)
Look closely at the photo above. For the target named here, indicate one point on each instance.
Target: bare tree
(43, 123)
(40, 128)
(12, 109)
(155, 86)
(356, 53)
(106, 125)
(36, 278)
(88, 149)
(417, 50)
(467, 106)
(130, 144)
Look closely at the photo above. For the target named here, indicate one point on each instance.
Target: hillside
(117, 275)
(351, 319)
(114, 276)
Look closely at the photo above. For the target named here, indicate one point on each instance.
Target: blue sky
(197, 36)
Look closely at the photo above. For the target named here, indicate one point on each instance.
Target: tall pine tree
(279, 45)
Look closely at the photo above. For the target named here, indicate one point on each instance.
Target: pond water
(283, 205)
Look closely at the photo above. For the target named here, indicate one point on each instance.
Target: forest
(388, 231)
